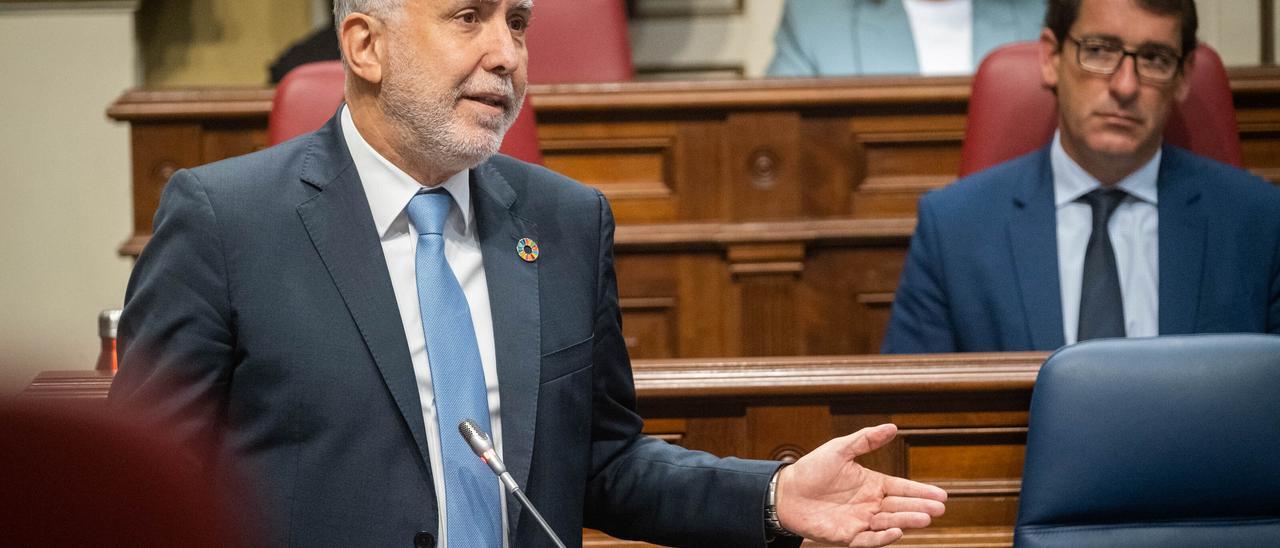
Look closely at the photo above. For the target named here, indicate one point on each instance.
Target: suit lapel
(341, 227)
(1182, 246)
(514, 301)
(1033, 235)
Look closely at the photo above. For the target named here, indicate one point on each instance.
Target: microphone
(483, 448)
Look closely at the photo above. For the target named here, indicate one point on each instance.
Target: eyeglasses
(1154, 64)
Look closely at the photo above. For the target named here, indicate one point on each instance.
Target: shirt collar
(389, 188)
(1070, 181)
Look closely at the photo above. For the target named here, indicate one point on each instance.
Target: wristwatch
(773, 527)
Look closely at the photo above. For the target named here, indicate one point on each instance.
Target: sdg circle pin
(527, 249)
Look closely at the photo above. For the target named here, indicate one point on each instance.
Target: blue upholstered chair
(1167, 442)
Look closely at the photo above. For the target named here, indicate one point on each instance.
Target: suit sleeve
(921, 319)
(176, 343)
(641, 487)
(789, 58)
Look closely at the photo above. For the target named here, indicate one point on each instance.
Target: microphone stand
(483, 448)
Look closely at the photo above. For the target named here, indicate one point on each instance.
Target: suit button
(424, 540)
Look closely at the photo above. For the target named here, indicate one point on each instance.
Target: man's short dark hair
(1063, 13)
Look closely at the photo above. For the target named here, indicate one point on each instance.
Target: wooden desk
(962, 417)
(756, 218)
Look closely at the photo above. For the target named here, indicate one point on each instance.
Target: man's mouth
(495, 100)
(1120, 118)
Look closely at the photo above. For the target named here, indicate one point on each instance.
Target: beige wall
(1231, 27)
(65, 175)
(217, 42)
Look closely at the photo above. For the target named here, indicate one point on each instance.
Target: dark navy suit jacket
(982, 271)
(260, 323)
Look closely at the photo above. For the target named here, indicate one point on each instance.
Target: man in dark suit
(1105, 232)
(322, 314)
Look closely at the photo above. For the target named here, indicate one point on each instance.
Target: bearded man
(321, 315)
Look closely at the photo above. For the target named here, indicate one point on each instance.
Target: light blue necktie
(457, 378)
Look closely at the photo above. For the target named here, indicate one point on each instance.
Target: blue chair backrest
(1170, 441)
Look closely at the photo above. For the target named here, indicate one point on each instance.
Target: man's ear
(1050, 53)
(363, 42)
(1184, 78)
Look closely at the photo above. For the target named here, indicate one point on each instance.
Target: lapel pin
(527, 249)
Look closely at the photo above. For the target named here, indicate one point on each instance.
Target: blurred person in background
(880, 37)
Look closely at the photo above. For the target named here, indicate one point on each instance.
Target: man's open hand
(828, 497)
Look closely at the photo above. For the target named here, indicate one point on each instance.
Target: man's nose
(1124, 83)
(504, 53)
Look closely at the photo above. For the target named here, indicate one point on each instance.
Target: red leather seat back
(579, 41)
(1011, 113)
(521, 141)
(305, 99)
(1205, 122)
(310, 94)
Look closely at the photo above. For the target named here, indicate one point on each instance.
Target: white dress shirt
(942, 31)
(389, 190)
(1135, 237)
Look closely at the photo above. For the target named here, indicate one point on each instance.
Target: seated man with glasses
(1106, 231)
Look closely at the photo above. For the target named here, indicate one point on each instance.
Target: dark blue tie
(457, 380)
(1101, 305)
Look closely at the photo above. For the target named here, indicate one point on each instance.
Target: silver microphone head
(476, 438)
(480, 444)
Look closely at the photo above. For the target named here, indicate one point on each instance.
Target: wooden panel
(786, 433)
(829, 167)
(962, 420)
(634, 167)
(650, 326)
(769, 217)
(762, 152)
(158, 151)
(965, 453)
(672, 431)
(755, 218)
(851, 287)
(224, 139)
(1260, 141)
(650, 298)
(1258, 116)
(902, 158)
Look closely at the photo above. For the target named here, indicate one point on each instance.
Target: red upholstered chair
(1011, 113)
(521, 141)
(579, 41)
(310, 94)
(305, 99)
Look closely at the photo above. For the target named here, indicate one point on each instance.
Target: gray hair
(383, 8)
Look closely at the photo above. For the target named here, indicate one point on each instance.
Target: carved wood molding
(733, 377)
(191, 104)
(1008, 488)
(712, 235)
(721, 236)
(837, 375)
(149, 104)
(766, 259)
(77, 385)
